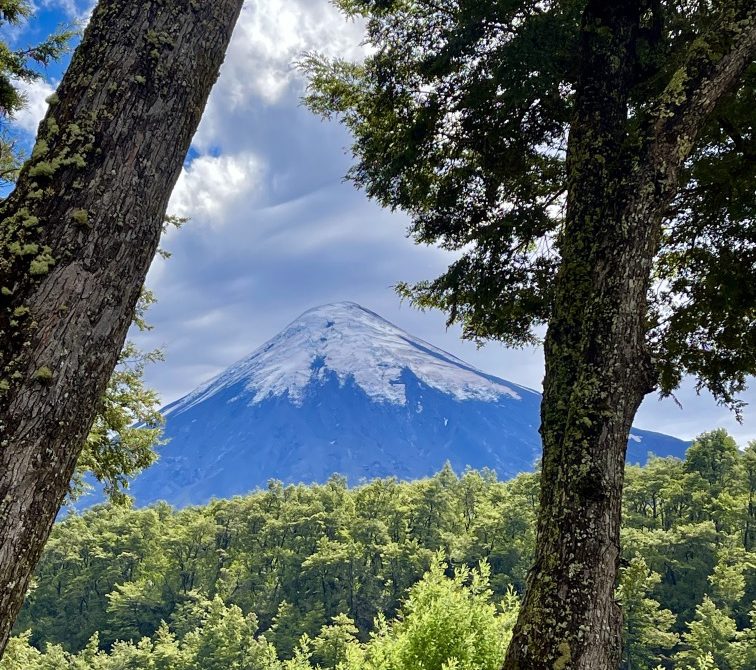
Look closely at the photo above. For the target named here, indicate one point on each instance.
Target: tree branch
(737, 138)
(698, 85)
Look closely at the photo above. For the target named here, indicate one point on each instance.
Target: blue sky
(275, 230)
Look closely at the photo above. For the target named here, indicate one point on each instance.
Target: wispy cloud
(210, 184)
(72, 10)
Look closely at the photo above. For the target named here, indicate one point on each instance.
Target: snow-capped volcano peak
(351, 343)
(342, 390)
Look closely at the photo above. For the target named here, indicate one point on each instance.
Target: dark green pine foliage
(20, 65)
(590, 163)
(460, 117)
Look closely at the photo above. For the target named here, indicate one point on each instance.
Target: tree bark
(77, 236)
(598, 368)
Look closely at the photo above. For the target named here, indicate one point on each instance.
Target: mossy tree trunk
(77, 236)
(598, 368)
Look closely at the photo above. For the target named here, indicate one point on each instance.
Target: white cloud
(75, 10)
(274, 230)
(208, 186)
(35, 94)
(270, 36)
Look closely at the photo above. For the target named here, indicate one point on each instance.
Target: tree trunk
(77, 236)
(598, 368)
(596, 372)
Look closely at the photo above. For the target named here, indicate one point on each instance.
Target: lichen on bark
(77, 236)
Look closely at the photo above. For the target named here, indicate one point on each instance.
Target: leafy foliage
(460, 116)
(646, 625)
(387, 575)
(445, 622)
(128, 425)
(21, 66)
(455, 611)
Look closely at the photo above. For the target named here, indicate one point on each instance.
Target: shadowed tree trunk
(76, 239)
(597, 366)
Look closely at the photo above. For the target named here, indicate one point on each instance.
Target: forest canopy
(331, 576)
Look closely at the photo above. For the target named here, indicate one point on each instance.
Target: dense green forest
(388, 575)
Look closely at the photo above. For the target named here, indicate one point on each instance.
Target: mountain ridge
(342, 390)
(343, 316)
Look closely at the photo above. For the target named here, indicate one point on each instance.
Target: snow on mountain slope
(352, 343)
(341, 390)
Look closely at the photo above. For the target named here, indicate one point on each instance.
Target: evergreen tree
(444, 624)
(710, 636)
(331, 648)
(715, 457)
(749, 465)
(249, 578)
(20, 66)
(592, 164)
(646, 625)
